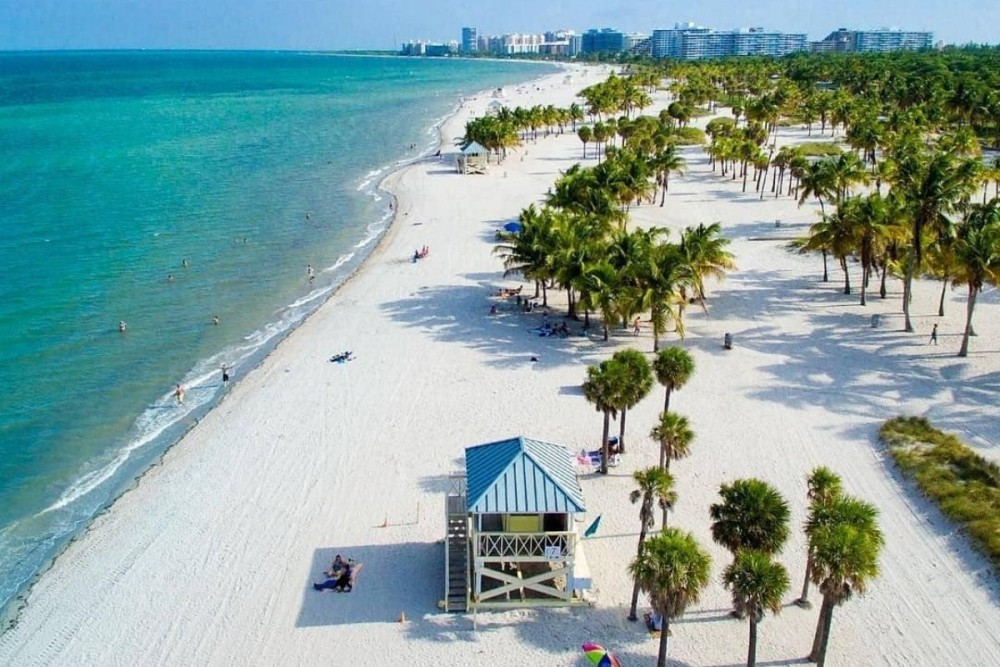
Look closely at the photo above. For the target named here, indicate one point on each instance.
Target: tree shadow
(555, 631)
(458, 314)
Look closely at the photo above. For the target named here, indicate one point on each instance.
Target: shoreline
(175, 433)
(308, 458)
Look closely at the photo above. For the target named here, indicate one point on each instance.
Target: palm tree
(586, 135)
(931, 186)
(636, 384)
(704, 251)
(817, 181)
(845, 561)
(868, 218)
(752, 515)
(662, 280)
(654, 484)
(675, 437)
(672, 569)
(824, 486)
(665, 162)
(673, 366)
(757, 584)
(603, 388)
(529, 252)
(977, 258)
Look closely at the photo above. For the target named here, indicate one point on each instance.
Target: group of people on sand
(548, 329)
(508, 291)
(342, 357)
(420, 254)
(340, 576)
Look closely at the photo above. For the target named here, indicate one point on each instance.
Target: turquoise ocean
(165, 189)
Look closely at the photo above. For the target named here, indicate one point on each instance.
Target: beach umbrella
(513, 227)
(600, 656)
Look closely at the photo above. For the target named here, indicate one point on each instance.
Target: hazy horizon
(381, 24)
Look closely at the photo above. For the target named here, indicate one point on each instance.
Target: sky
(383, 24)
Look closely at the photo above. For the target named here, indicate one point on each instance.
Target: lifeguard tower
(512, 539)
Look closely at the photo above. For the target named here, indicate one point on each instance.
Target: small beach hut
(472, 159)
(512, 537)
(494, 107)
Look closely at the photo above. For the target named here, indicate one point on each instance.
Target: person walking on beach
(179, 394)
(635, 327)
(225, 375)
(933, 340)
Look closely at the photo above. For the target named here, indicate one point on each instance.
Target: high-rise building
(603, 41)
(869, 41)
(693, 42)
(470, 40)
(669, 43)
(760, 42)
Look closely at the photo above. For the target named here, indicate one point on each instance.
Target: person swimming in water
(179, 394)
(122, 326)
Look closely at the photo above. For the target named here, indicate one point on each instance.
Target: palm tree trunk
(666, 401)
(881, 290)
(907, 286)
(545, 295)
(604, 443)
(969, 307)
(803, 600)
(944, 289)
(847, 275)
(661, 657)
(752, 650)
(826, 637)
(635, 586)
(864, 284)
(826, 274)
(621, 431)
(814, 655)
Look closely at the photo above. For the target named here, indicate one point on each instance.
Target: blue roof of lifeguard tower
(521, 476)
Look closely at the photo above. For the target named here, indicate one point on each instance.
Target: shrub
(819, 149)
(965, 486)
(689, 136)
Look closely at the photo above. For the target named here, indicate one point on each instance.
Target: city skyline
(381, 24)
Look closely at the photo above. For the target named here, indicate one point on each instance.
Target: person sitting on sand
(338, 577)
(347, 355)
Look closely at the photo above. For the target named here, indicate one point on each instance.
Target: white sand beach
(208, 561)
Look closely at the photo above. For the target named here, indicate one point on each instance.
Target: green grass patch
(689, 136)
(819, 149)
(964, 485)
(700, 112)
